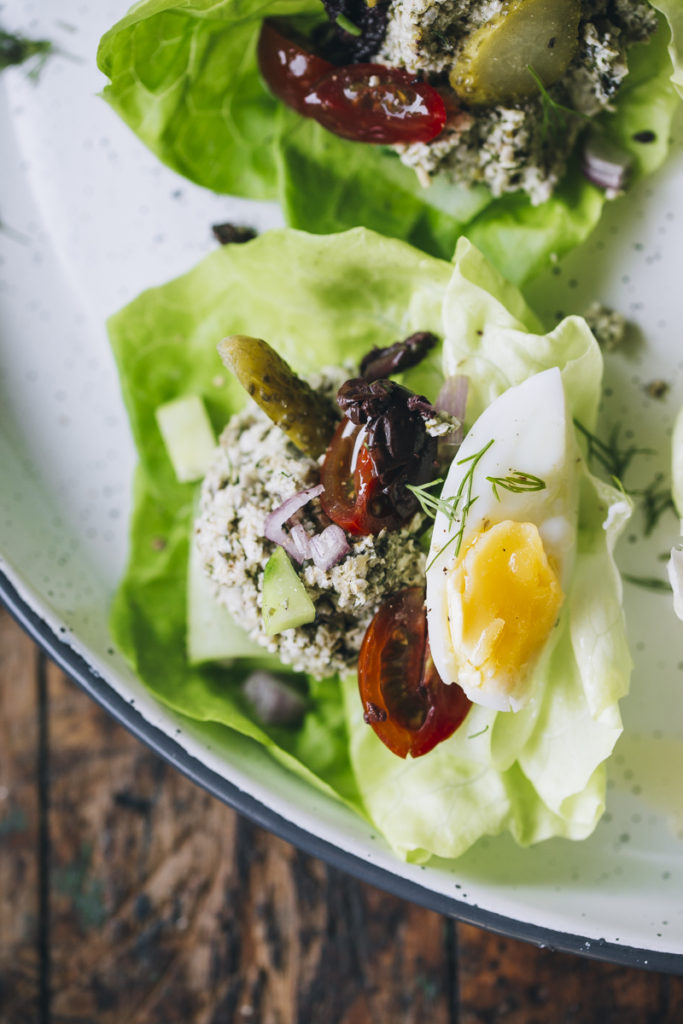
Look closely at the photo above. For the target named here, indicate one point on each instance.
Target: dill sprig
(554, 115)
(348, 26)
(517, 482)
(431, 504)
(473, 735)
(655, 500)
(648, 582)
(613, 458)
(16, 49)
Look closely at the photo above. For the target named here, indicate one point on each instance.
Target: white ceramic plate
(90, 219)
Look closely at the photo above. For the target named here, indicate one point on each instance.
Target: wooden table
(130, 896)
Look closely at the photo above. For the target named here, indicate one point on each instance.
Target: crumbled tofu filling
(608, 326)
(255, 469)
(523, 146)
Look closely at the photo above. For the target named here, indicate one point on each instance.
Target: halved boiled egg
(503, 544)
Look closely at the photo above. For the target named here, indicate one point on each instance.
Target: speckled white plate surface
(89, 219)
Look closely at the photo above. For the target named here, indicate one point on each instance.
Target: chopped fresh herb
(451, 506)
(517, 482)
(554, 114)
(444, 41)
(613, 458)
(429, 503)
(655, 500)
(348, 26)
(649, 582)
(481, 732)
(15, 49)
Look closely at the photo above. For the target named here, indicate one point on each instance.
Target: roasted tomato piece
(354, 500)
(372, 103)
(289, 69)
(404, 699)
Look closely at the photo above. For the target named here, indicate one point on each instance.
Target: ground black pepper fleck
(232, 234)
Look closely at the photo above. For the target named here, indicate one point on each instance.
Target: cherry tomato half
(289, 69)
(354, 501)
(372, 103)
(362, 102)
(404, 699)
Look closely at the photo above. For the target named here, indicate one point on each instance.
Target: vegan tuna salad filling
(256, 468)
(512, 146)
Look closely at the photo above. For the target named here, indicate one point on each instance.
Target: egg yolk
(504, 596)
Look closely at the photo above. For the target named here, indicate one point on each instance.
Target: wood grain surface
(130, 896)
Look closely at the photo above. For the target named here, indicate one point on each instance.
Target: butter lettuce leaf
(329, 299)
(165, 346)
(673, 12)
(677, 463)
(183, 75)
(539, 772)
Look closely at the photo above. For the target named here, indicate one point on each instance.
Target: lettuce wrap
(539, 772)
(183, 75)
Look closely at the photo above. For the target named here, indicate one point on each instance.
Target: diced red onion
(274, 701)
(452, 399)
(326, 548)
(329, 547)
(606, 164)
(272, 528)
(300, 542)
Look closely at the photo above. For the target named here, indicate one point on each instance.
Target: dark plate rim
(128, 715)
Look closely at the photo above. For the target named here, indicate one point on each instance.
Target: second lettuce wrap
(183, 75)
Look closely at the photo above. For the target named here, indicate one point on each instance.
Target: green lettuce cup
(330, 299)
(183, 75)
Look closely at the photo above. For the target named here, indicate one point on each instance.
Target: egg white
(532, 434)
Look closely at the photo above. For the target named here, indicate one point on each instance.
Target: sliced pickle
(307, 417)
(541, 35)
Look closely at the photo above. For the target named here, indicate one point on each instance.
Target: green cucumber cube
(188, 435)
(286, 603)
(212, 633)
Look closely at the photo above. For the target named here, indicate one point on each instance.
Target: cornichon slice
(541, 35)
(306, 417)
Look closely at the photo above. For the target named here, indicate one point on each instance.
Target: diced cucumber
(285, 601)
(212, 633)
(188, 435)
